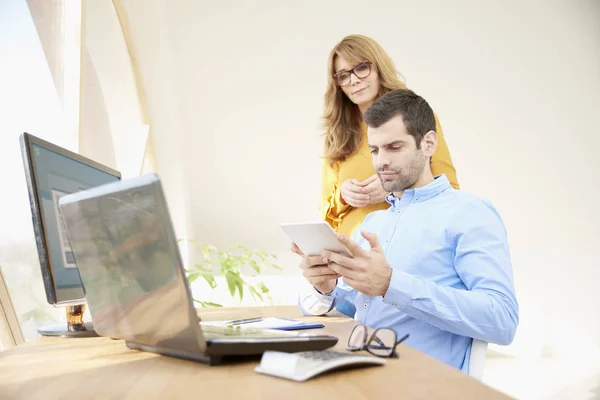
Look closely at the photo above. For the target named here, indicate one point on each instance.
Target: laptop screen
(129, 262)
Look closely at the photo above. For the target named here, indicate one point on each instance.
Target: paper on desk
(271, 323)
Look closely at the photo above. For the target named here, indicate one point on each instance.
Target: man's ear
(429, 143)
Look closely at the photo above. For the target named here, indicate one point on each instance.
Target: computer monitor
(52, 171)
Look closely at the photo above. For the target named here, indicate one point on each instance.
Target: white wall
(235, 94)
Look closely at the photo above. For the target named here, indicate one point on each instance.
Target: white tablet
(314, 237)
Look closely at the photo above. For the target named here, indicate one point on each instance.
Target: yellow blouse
(345, 218)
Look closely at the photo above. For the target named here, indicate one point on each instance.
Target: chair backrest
(477, 359)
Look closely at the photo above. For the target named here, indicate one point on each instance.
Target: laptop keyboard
(214, 331)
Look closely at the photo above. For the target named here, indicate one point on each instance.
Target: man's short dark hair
(415, 111)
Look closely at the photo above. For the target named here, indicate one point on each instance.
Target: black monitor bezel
(27, 141)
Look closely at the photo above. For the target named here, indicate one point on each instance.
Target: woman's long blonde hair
(342, 118)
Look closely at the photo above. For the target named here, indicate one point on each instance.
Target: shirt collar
(439, 184)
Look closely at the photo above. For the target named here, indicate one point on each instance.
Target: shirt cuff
(399, 293)
(315, 303)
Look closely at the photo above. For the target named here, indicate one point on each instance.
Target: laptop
(129, 262)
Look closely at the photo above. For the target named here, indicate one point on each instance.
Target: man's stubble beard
(409, 177)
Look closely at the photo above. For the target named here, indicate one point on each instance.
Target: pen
(244, 321)
(403, 338)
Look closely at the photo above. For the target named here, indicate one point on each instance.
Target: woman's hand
(354, 194)
(373, 189)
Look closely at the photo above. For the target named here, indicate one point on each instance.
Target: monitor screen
(52, 172)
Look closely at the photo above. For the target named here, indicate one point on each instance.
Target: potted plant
(233, 265)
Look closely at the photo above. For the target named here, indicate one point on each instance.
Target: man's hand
(368, 271)
(316, 271)
(354, 194)
(374, 189)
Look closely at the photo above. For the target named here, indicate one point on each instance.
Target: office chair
(477, 359)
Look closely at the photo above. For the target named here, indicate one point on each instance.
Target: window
(39, 95)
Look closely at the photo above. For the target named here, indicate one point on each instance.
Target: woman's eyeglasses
(361, 71)
(382, 342)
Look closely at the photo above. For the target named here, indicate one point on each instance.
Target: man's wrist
(387, 279)
(325, 291)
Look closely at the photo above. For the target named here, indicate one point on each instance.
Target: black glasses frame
(336, 76)
(373, 342)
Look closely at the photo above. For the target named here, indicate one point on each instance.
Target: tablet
(314, 237)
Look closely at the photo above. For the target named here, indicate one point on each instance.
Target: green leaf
(255, 293)
(231, 282)
(192, 277)
(254, 265)
(276, 267)
(207, 303)
(240, 287)
(230, 266)
(262, 287)
(206, 264)
(235, 282)
(210, 280)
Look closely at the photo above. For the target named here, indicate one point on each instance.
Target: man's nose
(382, 162)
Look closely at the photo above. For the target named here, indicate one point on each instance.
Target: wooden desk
(101, 368)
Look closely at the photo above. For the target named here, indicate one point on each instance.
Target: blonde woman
(359, 72)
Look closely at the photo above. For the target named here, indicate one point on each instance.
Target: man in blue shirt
(436, 264)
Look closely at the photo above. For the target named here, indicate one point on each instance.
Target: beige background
(235, 93)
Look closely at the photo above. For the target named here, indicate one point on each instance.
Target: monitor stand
(74, 327)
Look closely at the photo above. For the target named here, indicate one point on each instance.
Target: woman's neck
(363, 107)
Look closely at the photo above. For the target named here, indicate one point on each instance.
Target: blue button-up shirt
(451, 273)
